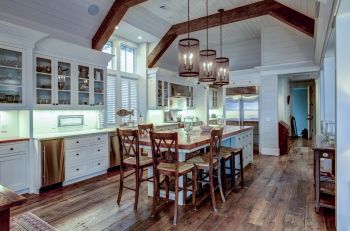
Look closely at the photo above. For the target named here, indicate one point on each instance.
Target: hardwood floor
(278, 195)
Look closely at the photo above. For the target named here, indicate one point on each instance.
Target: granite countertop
(13, 139)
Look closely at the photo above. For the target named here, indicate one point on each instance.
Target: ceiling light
(139, 37)
(117, 27)
(188, 52)
(93, 9)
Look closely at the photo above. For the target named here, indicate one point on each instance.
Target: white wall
(283, 92)
(281, 45)
(329, 88)
(342, 117)
(268, 121)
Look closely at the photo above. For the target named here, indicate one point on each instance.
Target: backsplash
(46, 121)
(14, 124)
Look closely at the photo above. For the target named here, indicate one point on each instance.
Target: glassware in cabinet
(64, 83)
(44, 86)
(98, 87)
(83, 85)
(159, 93)
(11, 82)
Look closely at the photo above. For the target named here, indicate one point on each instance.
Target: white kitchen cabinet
(13, 77)
(158, 93)
(14, 166)
(85, 157)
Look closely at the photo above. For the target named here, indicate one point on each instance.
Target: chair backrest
(128, 144)
(145, 129)
(165, 148)
(215, 144)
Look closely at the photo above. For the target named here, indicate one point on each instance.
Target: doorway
(303, 106)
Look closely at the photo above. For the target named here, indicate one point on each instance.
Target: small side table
(324, 182)
(8, 199)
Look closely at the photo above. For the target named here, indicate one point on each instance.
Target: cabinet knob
(11, 149)
(99, 138)
(77, 154)
(77, 169)
(99, 164)
(77, 141)
(98, 150)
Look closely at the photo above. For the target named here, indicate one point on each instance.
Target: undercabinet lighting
(139, 37)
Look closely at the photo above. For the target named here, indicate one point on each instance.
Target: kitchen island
(233, 136)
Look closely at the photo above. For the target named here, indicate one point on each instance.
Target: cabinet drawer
(75, 155)
(16, 147)
(99, 139)
(99, 164)
(96, 151)
(76, 142)
(75, 171)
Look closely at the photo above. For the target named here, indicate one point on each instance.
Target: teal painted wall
(299, 110)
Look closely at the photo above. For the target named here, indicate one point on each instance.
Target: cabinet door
(12, 79)
(64, 83)
(99, 87)
(159, 94)
(165, 94)
(44, 81)
(13, 172)
(84, 85)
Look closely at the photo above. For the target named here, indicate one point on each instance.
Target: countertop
(13, 139)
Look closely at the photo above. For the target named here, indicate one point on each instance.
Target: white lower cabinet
(14, 166)
(85, 156)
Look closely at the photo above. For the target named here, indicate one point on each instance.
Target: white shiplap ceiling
(64, 19)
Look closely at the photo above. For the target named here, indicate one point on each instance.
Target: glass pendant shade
(222, 72)
(188, 57)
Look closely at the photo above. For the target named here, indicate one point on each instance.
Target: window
(129, 97)
(111, 99)
(127, 59)
(108, 48)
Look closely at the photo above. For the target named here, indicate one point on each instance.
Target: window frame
(126, 45)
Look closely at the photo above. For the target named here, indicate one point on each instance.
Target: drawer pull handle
(98, 150)
(98, 138)
(99, 164)
(77, 169)
(77, 141)
(11, 149)
(77, 154)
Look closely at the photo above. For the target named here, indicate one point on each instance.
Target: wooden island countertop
(198, 138)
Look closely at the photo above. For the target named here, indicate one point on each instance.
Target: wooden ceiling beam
(112, 19)
(266, 7)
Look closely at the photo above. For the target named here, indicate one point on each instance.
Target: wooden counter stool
(210, 162)
(130, 157)
(144, 130)
(165, 154)
(233, 152)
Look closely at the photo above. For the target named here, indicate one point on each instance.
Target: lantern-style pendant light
(207, 60)
(222, 64)
(188, 52)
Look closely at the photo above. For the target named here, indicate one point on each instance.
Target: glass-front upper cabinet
(84, 85)
(64, 83)
(99, 90)
(44, 81)
(11, 77)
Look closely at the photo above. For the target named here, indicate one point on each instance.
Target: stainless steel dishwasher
(52, 162)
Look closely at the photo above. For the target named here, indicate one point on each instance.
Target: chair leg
(155, 185)
(184, 188)
(167, 188)
(223, 175)
(234, 173)
(141, 174)
(220, 182)
(194, 188)
(137, 189)
(121, 185)
(212, 189)
(176, 199)
(241, 166)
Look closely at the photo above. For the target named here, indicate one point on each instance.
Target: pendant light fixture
(188, 52)
(222, 64)
(207, 60)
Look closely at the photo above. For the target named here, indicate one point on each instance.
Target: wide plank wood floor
(278, 195)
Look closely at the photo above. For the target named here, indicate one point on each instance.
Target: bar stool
(144, 130)
(130, 157)
(165, 154)
(210, 162)
(233, 152)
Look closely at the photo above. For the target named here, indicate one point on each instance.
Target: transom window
(127, 59)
